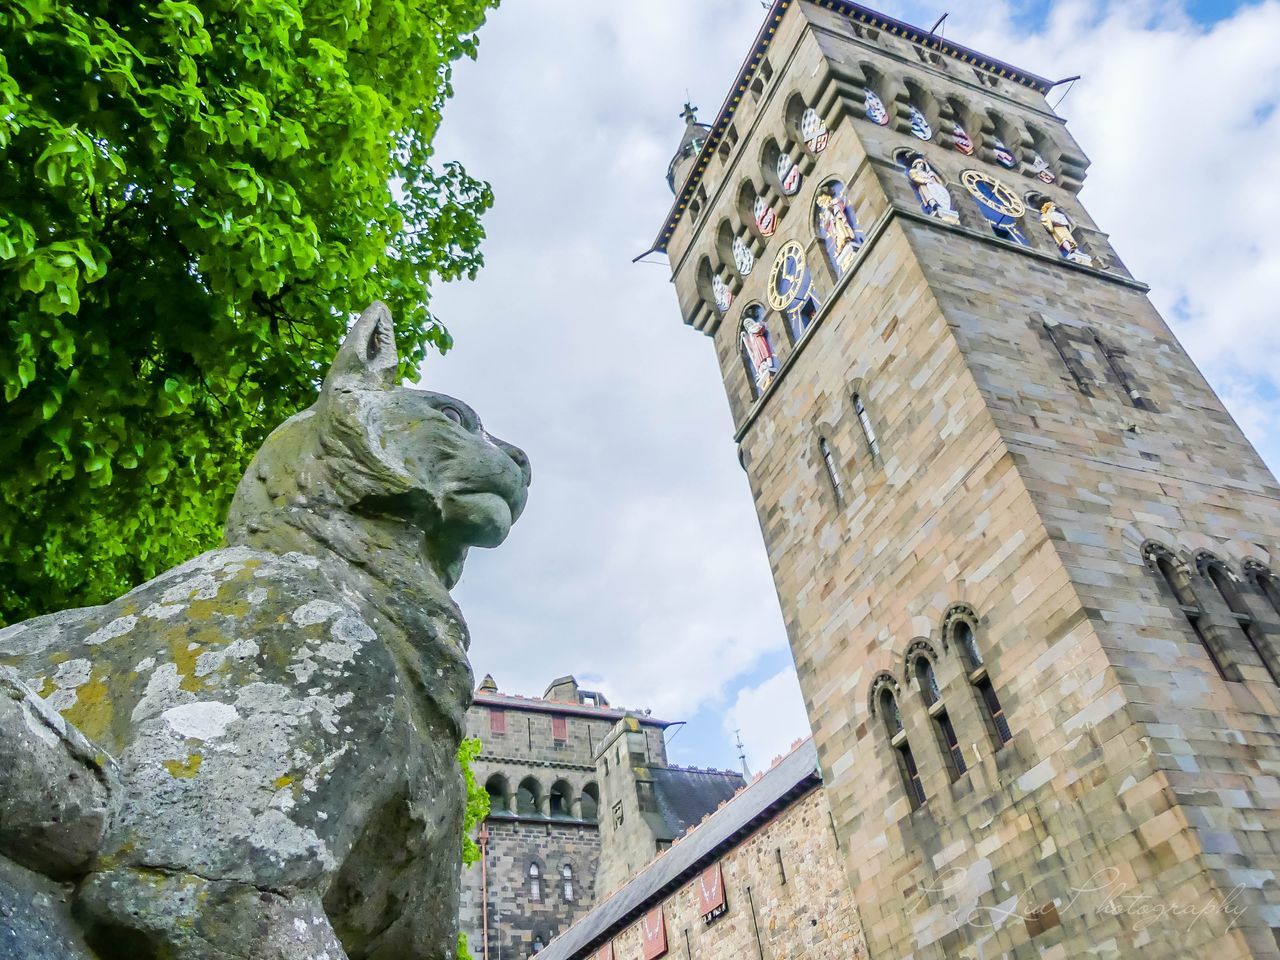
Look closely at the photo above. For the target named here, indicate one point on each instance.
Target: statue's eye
(453, 413)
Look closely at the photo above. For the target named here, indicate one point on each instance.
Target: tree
(194, 196)
(476, 809)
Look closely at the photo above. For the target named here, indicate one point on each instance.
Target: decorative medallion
(813, 131)
(743, 258)
(1002, 154)
(789, 177)
(766, 219)
(999, 204)
(720, 291)
(920, 124)
(837, 224)
(931, 191)
(962, 141)
(788, 279)
(876, 112)
(1040, 167)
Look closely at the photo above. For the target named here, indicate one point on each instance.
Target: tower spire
(691, 142)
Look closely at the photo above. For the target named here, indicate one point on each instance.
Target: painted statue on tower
(757, 350)
(1059, 226)
(838, 226)
(931, 191)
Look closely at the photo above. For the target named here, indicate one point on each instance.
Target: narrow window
(1226, 586)
(833, 474)
(1132, 393)
(928, 681)
(645, 796)
(1266, 584)
(535, 883)
(903, 757)
(864, 421)
(942, 726)
(566, 879)
(1073, 365)
(915, 786)
(962, 635)
(1179, 586)
(997, 724)
(991, 702)
(782, 870)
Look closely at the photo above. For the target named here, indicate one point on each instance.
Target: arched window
(928, 681)
(561, 799)
(887, 704)
(963, 639)
(566, 882)
(868, 430)
(535, 883)
(943, 729)
(590, 801)
(1178, 582)
(1266, 583)
(499, 791)
(529, 798)
(833, 471)
(1217, 574)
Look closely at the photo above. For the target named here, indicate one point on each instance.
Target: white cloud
(639, 564)
(770, 718)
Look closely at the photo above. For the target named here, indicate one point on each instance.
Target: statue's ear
(368, 355)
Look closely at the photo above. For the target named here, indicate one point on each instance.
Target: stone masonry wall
(786, 896)
(516, 917)
(1003, 494)
(527, 752)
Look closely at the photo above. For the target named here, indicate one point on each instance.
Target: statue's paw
(57, 790)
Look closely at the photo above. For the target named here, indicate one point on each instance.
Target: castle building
(1027, 561)
(581, 794)
(760, 877)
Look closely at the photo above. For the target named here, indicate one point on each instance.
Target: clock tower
(1027, 562)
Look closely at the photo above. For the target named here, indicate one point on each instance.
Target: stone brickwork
(538, 764)
(1033, 441)
(785, 893)
(523, 913)
(645, 805)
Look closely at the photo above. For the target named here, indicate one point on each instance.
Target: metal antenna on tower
(742, 754)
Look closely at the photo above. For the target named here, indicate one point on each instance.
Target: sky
(639, 565)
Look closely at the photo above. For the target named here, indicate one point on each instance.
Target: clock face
(993, 194)
(786, 279)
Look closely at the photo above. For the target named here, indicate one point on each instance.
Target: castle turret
(695, 135)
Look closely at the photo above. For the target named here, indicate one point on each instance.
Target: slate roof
(793, 777)
(508, 701)
(686, 796)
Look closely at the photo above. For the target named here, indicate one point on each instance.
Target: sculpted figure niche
(253, 755)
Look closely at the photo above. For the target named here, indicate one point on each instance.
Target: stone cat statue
(253, 755)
